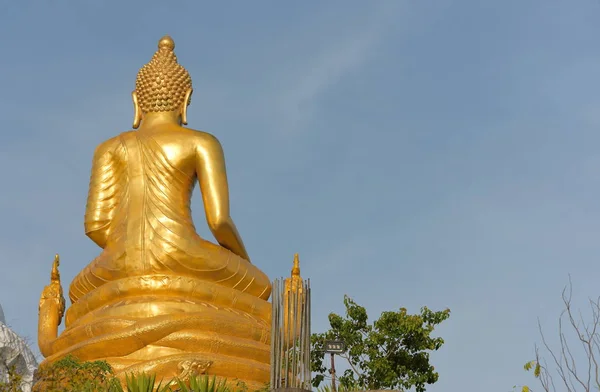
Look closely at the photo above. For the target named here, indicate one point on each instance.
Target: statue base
(173, 327)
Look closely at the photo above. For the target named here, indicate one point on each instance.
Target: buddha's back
(154, 202)
(143, 182)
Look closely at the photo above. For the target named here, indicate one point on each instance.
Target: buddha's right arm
(212, 177)
(103, 195)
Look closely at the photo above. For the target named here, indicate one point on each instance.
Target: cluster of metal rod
(290, 335)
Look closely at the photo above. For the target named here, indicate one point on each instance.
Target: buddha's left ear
(137, 113)
(186, 101)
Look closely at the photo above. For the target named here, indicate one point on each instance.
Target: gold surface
(159, 298)
(293, 284)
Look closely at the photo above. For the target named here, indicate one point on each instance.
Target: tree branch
(566, 366)
(347, 358)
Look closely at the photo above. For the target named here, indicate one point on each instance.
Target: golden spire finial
(54, 274)
(296, 267)
(162, 84)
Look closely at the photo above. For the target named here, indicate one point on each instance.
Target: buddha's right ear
(137, 113)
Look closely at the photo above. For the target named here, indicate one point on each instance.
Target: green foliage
(204, 384)
(14, 381)
(537, 373)
(535, 366)
(143, 382)
(69, 374)
(339, 388)
(392, 353)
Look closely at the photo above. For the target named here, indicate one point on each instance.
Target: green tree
(392, 353)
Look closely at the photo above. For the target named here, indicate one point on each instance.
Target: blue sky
(415, 153)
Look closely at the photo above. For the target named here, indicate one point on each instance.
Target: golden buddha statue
(159, 298)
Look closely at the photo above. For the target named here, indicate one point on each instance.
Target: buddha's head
(162, 85)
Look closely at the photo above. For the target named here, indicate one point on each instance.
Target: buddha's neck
(150, 120)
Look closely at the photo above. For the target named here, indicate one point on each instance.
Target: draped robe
(159, 298)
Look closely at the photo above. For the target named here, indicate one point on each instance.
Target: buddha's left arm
(103, 195)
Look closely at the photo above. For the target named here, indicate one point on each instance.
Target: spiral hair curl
(161, 84)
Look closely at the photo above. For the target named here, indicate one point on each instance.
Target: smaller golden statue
(293, 298)
(52, 306)
(294, 282)
(159, 298)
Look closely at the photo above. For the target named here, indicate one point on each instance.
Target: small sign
(335, 347)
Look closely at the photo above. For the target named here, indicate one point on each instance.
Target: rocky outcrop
(14, 352)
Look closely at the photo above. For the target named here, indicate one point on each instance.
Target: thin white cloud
(295, 102)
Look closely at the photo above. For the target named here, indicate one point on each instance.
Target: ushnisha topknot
(161, 84)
